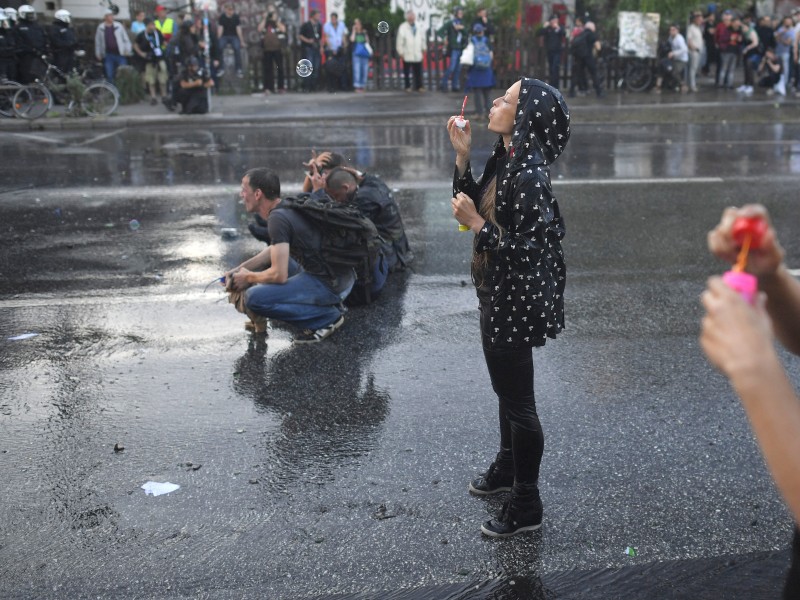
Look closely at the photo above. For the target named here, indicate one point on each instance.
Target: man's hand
(239, 280)
(763, 260)
(317, 179)
(735, 336)
(321, 160)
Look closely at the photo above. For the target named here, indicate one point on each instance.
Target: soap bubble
(383, 27)
(134, 225)
(305, 68)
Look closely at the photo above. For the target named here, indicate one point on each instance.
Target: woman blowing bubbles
(518, 271)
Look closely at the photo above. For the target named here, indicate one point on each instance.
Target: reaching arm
(737, 340)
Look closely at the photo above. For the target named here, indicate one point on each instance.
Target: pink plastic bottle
(744, 283)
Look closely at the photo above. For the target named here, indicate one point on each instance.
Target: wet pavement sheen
(340, 470)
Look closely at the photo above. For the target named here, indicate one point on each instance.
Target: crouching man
(289, 280)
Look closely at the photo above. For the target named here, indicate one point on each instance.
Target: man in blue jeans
(456, 38)
(288, 280)
(229, 32)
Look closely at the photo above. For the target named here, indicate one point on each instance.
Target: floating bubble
(134, 225)
(383, 27)
(305, 68)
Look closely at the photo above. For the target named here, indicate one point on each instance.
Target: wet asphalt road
(340, 470)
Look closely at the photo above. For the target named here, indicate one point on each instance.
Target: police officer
(31, 45)
(8, 49)
(63, 41)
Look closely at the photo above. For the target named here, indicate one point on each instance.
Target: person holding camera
(273, 34)
(193, 92)
(148, 47)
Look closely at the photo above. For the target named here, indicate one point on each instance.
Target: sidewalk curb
(237, 110)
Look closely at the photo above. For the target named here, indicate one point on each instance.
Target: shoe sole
(490, 533)
(475, 491)
(334, 327)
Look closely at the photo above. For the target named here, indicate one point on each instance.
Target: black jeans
(521, 435)
(272, 59)
(416, 69)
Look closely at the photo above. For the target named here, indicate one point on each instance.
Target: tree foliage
(604, 12)
(372, 12)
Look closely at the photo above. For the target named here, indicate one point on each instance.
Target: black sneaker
(515, 517)
(309, 336)
(493, 481)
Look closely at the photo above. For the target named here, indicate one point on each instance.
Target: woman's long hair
(480, 260)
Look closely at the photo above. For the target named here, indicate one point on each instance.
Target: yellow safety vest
(166, 28)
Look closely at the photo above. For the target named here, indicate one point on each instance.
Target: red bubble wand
(747, 233)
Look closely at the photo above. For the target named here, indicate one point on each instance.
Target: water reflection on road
(412, 154)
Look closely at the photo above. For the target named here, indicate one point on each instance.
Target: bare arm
(259, 262)
(737, 340)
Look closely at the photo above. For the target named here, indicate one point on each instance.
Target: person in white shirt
(411, 45)
(678, 57)
(694, 40)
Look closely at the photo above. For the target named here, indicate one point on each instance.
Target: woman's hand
(465, 212)
(736, 337)
(460, 138)
(762, 261)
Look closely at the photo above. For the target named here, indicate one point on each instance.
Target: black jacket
(62, 37)
(522, 286)
(31, 38)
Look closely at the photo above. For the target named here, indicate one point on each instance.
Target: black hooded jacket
(521, 287)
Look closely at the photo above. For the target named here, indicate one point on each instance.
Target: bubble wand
(460, 122)
(746, 231)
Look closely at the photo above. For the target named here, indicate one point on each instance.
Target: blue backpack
(483, 55)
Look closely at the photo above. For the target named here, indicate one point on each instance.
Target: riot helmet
(27, 13)
(63, 16)
(11, 13)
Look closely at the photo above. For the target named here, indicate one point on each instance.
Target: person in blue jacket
(480, 77)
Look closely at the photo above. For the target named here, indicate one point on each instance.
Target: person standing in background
(455, 38)
(112, 45)
(310, 35)
(554, 38)
(694, 40)
(411, 45)
(229, 33)
(273, 35)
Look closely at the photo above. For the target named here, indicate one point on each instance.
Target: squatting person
(288, 280)
(519, 274)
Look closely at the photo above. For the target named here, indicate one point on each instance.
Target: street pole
(207, 51)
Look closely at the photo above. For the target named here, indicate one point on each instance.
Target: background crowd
(179, 57)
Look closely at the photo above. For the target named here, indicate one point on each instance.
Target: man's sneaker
(515, 517)
(309, 336)
(493, 481)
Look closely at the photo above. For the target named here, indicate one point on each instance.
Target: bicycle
(8, 89)
(78, 92)
(630, 71)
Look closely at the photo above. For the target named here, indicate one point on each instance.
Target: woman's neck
(507, 141)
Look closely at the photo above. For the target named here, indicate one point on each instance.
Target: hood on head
(541, 125)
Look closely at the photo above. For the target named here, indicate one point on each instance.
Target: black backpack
(349, 239)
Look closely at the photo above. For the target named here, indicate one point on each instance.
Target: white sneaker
(309, 336)
(749, 91)
(780, 88)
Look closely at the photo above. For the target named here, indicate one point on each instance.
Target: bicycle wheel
(638, 75)
(7, 91)
(100, 99)
(32, 101)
